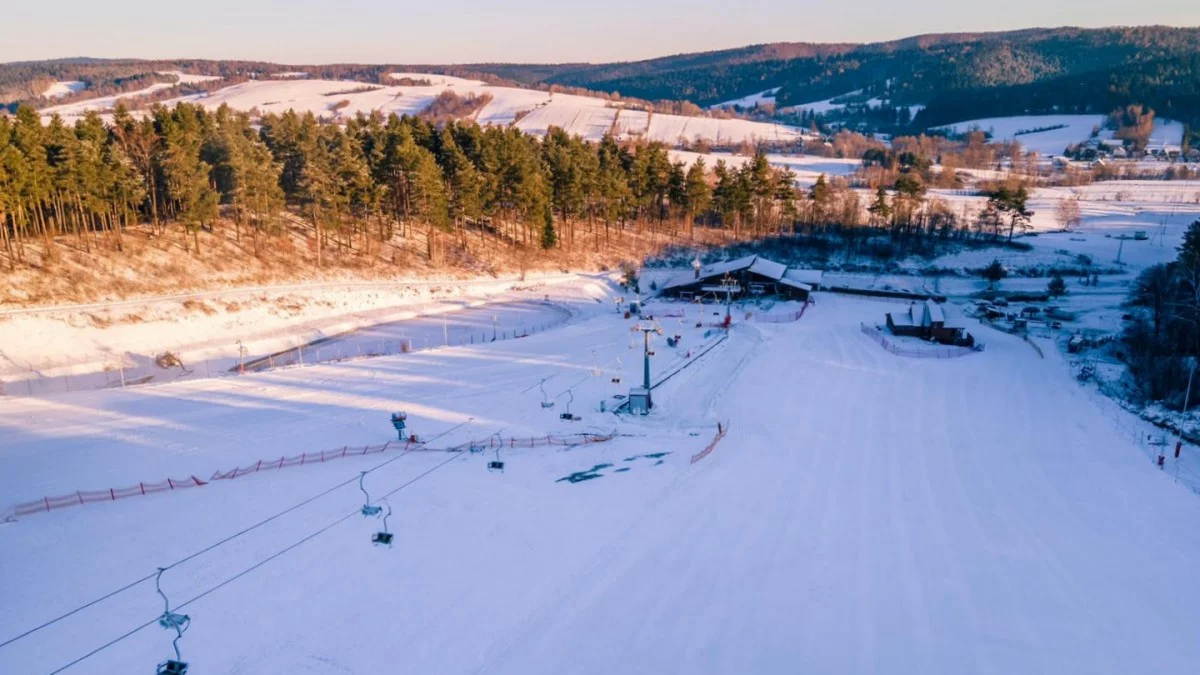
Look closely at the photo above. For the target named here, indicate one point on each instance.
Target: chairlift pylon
(171, 621)
(368, 508)
(384, 538)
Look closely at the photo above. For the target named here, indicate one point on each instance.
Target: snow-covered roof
(933, 312)
(768, 268)
(954, 316)
(712, 270)
(904, 318)
(795, 284)
(804, 276)
(802, 279)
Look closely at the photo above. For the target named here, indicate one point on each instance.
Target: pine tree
(1057, 286)
(697, 194)
(994, 272)
(1189, 250)
(820, 195)
(879, 209)
(549, 236)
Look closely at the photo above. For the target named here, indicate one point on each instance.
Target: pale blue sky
(448, 31)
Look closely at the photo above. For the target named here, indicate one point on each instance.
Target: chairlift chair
(172, 621)
(568, 416)
(496, 464)
(368, 510)
(170, 667)
(383, 538)
(546, 402)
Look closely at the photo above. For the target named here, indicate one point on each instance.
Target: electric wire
(222, 542)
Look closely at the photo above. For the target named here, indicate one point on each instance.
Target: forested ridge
(956, 76)
(184, 170)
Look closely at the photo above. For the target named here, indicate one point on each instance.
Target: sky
(545, 31)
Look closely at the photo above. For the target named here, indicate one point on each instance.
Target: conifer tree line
(354, 185)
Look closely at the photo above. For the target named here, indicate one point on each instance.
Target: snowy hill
(866, 512)
(585, 116)
(1070, 129)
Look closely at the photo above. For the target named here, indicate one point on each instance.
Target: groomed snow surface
(866, 513)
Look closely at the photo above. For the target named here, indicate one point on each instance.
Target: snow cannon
(398, 421)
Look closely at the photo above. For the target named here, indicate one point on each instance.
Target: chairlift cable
(222, 542)
(330, 526)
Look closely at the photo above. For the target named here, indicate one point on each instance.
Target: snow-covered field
(71, 111)
(819, 107)
(750, 100)
(585, 116)
(1077, 129)
(187, 78)
(60, 89)
(865, 513)
(806, 167)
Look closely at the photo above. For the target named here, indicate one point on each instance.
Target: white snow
(751, 100)
(820, 107)
(71, 111)
(865, 513)
(1053, 142)
(433, 79)
(186, 78)
(806, 167)
(60, 89)
(589, 117)
(585, 116)
(85, 346)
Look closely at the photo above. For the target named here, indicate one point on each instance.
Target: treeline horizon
(180, 169)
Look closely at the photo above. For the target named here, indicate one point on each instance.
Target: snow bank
(76, 341)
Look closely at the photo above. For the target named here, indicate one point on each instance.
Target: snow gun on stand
(398, 421)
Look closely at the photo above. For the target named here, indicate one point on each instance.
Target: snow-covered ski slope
(585, 116)
(866, 513)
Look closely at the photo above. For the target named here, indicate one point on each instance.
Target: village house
(927, 320)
